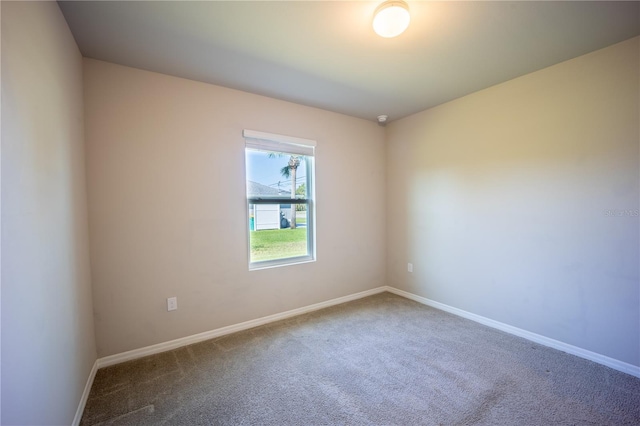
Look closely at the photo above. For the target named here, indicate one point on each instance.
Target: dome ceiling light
(391, 18)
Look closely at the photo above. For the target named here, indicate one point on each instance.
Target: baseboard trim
(85, 394)
(188, 340)
(537, 338)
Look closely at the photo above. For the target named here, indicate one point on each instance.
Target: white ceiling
(325, 54)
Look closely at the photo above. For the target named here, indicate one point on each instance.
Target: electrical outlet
(172, 304)
(410, 267)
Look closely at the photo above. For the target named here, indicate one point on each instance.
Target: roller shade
(279, 143)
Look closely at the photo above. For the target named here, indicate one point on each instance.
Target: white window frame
(289, 145)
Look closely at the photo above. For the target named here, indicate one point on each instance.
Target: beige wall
(499, 199)
(165, 162)
(48, 345)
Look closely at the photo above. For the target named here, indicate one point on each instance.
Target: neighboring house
(267, 216)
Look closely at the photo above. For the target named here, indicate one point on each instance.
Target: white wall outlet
(172, 304)
(410, 267)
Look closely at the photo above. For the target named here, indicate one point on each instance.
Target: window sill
(276, 263)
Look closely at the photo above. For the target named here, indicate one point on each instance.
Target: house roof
(255, 190)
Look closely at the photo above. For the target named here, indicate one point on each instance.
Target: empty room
(320, 212)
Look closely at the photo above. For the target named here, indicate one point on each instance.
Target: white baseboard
(537, 338)
(85, 395)
(188, 340)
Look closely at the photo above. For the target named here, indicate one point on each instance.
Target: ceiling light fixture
(391, 18)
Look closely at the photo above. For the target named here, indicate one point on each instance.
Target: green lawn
(278, 243)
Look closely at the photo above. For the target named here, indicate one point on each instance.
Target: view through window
(279, 200)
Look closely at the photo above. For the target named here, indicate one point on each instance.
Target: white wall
(166, 179)
(499, 199)
(48, 346)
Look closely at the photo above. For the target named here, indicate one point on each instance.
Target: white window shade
(278, 143)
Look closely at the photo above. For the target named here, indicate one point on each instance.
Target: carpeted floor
(382, 360)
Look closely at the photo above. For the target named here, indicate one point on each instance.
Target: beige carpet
(382, 360)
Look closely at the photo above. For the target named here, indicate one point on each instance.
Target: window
(280, 199)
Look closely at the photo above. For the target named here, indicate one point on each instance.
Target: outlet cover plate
(172, 304)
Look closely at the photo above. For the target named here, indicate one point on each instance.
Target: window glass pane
(272, 174)
(277, 230)
(271, 238)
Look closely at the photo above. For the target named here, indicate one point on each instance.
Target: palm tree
(289, 171)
